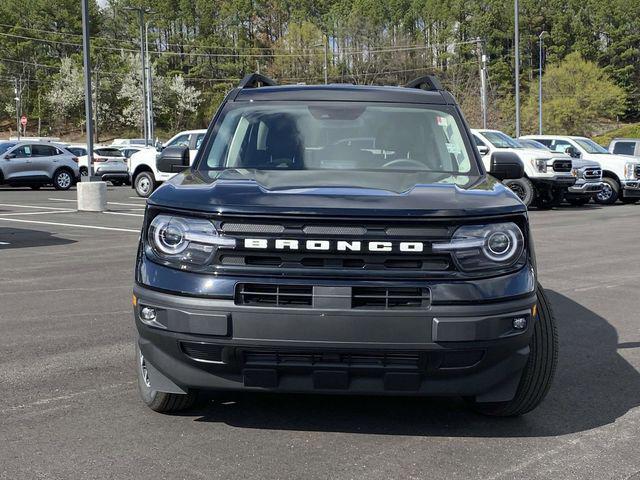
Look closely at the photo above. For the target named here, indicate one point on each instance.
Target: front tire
(144, 184)
(609, 193)
(159, 401)
(62, 180)
(537, 374)
(523, 188)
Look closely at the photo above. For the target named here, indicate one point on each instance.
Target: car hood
(336, 193)
(604, 157)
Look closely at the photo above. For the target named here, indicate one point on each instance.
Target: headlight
(629, 170)
(576, 173)
(184, 241)
(484, 247)
(540, 164)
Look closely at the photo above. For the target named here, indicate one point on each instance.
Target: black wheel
(609, 193)
(629, 200)
(578, 202)
(539, 370)
(62, 179)
(523, 188)
(159, 401)
(35, 187)
(117, 183)
(144, 184)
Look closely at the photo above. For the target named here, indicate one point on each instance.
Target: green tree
(577, 95)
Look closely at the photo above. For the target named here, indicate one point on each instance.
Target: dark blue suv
(340, 239)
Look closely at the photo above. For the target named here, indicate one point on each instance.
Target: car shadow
(11, 238)
(593, 387)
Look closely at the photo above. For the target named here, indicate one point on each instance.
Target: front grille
(562, 166)
(274, 295)
(637, 171)
(308, 296)
(388, 298)
(369, 360)
(592, 173)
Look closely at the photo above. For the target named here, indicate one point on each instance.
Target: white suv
(145, 177)
(620, 174)
(548, 175)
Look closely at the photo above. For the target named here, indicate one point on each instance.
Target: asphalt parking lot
(69, 406)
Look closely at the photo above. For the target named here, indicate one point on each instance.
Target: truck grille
(562, 166)
(334, 263)
(410, 361)
(592, 173)
(308, 296)
(637, 171)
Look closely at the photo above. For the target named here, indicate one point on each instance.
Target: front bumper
(583, 187)
(466, 349)
(561, 180)
(631, 188)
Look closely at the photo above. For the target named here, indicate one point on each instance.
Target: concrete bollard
(92, 196)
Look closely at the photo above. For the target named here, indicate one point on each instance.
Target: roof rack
(428, 82)
(255, 80)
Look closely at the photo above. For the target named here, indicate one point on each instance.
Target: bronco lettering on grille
(331, 245)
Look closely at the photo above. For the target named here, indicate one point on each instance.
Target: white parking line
(30, 206)
(75, 225)
(111, 203)
(48, 212)
(5, 243)
(127, 214)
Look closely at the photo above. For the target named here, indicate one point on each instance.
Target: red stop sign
(23, 120)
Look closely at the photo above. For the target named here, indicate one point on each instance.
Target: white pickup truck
(548, 175)
(145, 177)
(620, 173)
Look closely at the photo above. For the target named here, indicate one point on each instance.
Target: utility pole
(145, 117)
(86, 52)
(517, 63)
(326, 60)
(150, 122)
(482, 64)
(540, 82)
(17, 92)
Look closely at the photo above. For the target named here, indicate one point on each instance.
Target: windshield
(338, 137)
(528, 143)
(5, 146)
(590, 146)
(500, 140)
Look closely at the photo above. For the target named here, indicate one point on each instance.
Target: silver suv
(36, 164)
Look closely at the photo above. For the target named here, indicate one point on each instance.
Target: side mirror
(483, 149)
(9, 156)
(506, 165)
(572, 152)
(173, 160)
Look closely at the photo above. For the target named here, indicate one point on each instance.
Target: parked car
(547, 175)
(620, 173)
(587, 172)
(145, 177)
(35, 164)
(110, 164)
(80, 151)
(625, 146)
(120, 142)
(290, 258)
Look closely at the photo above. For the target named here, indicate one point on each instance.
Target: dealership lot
(70, 409)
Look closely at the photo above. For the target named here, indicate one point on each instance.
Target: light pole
(88, 110)
(17, 99)
(145, 117)
(516, 42)
(540, 82)
(325, 46)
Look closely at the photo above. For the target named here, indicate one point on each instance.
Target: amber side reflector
(534, 310)
(134, 300)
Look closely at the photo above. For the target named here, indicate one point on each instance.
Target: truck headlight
(184, 240)
(629, 170)
(540, 164)
(484, 247)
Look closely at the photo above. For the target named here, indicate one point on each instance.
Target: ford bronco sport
(340, 239)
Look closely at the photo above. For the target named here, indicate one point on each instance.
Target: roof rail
(428, 82)
(255, 80)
